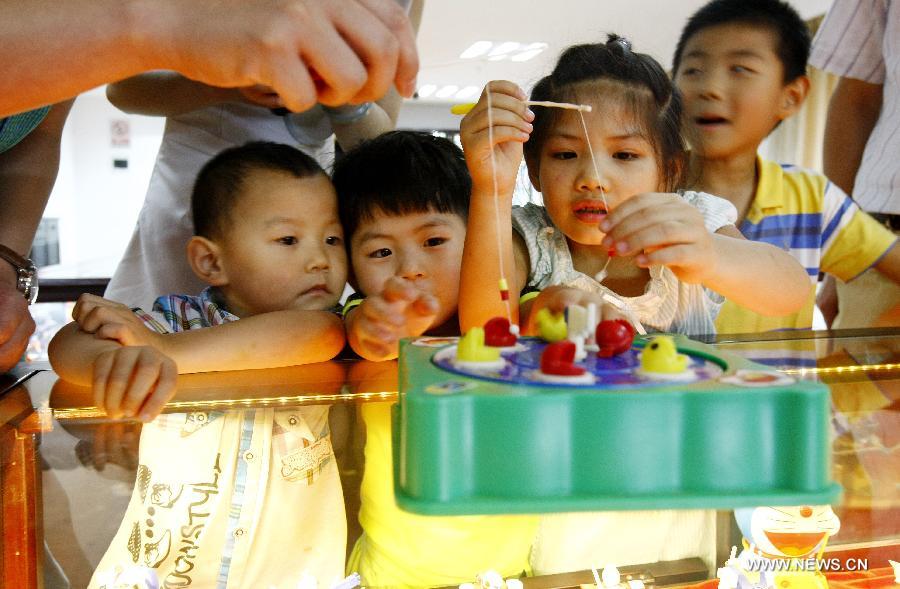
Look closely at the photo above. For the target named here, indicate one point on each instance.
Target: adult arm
(382, 116)
(852, 113)
(168, 93)
(329, 51)
(27, 174)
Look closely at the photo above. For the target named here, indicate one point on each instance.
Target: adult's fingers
(397, 22)
(290, 77)
(340, 71)
(374, 43)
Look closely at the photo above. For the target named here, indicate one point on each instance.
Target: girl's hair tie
(623, 44)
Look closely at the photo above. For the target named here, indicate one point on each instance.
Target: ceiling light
(504, 48)
(476, 49)
(467, 92)
(526, 55)
(426, 90)
(497, 58)
(529, 52)
(446, 91)
(533, 46)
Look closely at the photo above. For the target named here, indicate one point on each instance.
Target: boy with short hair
(741, 66)
(404, 200)
(269, 243)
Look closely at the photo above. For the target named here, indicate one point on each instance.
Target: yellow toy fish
(471, 348)
(551, 327)
(661, 356)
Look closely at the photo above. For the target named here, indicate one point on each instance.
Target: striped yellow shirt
(802, 212)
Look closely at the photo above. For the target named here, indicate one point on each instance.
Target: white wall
(97, 205)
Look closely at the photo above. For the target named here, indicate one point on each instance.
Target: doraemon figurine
(781, 548)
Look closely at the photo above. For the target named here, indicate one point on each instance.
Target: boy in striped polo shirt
(741, 66)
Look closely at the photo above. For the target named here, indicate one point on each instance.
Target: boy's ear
(793, 95)
(205, 258)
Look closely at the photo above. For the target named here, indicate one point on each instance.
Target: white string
(601, 275)
(496, 201)
(616, 300)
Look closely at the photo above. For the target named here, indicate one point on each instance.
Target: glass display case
(71, 479)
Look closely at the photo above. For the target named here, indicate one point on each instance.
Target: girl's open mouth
(710, 121)
(589, 211)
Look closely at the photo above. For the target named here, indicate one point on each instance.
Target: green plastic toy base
(491, 447)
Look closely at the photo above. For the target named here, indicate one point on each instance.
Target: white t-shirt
(155, 262)
(860, 39)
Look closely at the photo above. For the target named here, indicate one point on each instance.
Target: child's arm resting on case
(664, 229)
(126, 380)
(267, 340)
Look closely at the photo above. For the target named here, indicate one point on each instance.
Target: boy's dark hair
(399, 173)
(221, 181)
(792, 34)
(641, 83)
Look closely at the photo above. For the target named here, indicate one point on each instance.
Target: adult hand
(262, 95)
(329, 51)
(16, 324)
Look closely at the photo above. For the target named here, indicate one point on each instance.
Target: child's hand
(113, 321)
(558, 298)
(511, 128)
(401, 310)
(133, 380)
(662, 229)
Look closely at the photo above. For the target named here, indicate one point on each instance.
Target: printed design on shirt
(307, 461)
(157, 552)
(195, 421)
(198, 514)
(163, 496)
(176, 516)
(134, 542)
(144, 475)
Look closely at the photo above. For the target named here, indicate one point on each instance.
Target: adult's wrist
(348, 113)
(8, 275)
(152, 26)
